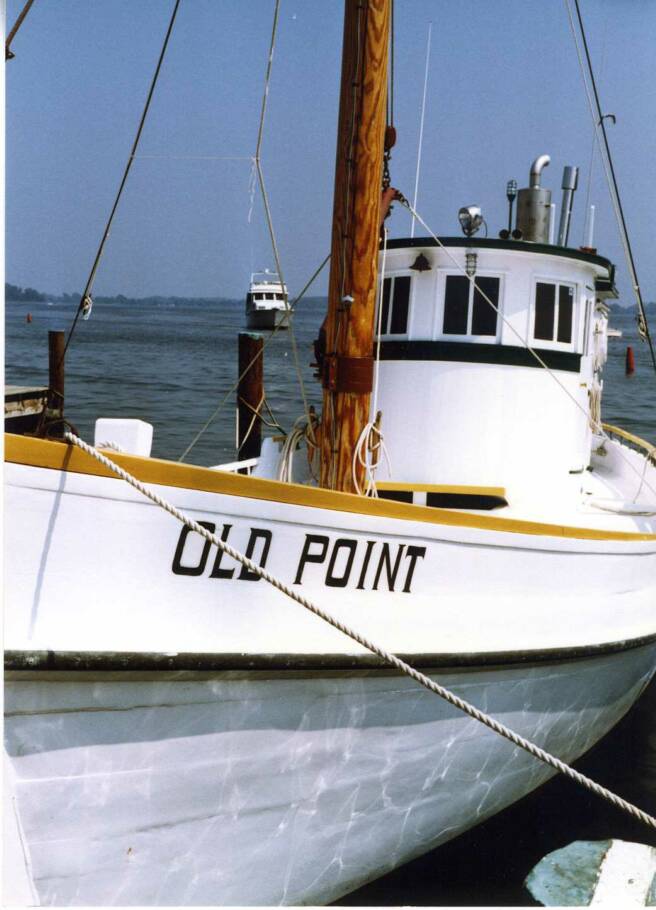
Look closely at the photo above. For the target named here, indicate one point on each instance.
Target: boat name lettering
(362, 564)
(260, 540)
(389, 569)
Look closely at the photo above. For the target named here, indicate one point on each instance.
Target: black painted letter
(307, 556)
(392, 571)
(177, 567)
(256, 534)
(341, 581)
(414, 553)
(217, 571)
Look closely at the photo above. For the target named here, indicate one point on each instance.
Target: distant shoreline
(15, 294)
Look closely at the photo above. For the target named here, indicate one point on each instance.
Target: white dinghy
(179, 732)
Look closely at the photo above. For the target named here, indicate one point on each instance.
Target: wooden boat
(180, 733)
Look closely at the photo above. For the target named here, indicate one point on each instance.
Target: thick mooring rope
(389, 658)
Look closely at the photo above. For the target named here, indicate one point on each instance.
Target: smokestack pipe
(533, 206)
(569, 184)
(536, 170)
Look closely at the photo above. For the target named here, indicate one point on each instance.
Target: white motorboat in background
(266, 302)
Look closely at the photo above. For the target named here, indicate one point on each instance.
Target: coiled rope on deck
(389, 658)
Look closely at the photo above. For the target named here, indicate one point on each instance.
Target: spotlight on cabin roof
(470, 218)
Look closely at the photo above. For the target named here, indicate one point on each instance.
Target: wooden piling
(250, 395)
(56, 347)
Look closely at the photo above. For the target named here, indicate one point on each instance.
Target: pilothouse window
(467, 307)
(396, 303)
(554, 312)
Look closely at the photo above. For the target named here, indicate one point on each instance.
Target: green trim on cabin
(471, 352)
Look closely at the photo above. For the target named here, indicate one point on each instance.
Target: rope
(84, 309)
(194, 157)
(598, 119)
(421, 126)
(599, 430)
(267, 210)
(272, 423)
(255, 412)
(9, 55)
(300, 432)
(370, 448)
(389, 658)
(391, 76)
(210, 420)
(381, 289)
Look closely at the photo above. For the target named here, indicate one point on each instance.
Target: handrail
(647, 447)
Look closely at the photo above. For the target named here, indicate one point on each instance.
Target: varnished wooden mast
(347, 368)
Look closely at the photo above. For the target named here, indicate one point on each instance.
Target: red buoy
(630, 361)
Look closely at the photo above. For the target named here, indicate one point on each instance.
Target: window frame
(400, 273)
(438, 331)
(554, 344)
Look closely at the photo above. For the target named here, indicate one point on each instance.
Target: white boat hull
(92, 565)
(277, 788)
(266, 318)
(180, 732)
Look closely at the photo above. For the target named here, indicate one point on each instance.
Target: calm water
(172, 366)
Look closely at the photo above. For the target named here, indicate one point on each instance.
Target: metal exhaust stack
(533, 205)
(570, 182)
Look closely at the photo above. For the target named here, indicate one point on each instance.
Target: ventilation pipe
(533, 205)
(569, 184)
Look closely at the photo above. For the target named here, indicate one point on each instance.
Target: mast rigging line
(421, 125)
(390, 105)
(266, 342)
(85, 301)
(396, 662)
(472, 280)
(9, 55)
(267, 212)
(599, 118)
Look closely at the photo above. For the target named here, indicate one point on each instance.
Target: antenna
(421, 128)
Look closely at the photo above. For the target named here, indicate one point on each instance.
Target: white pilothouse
(267, 302)
(494, 347)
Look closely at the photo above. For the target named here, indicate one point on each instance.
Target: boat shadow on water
(487, 865)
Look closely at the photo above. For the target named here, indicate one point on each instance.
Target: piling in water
(250, 395)
(56, 347)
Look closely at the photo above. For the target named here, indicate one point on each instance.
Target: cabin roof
(491, 243)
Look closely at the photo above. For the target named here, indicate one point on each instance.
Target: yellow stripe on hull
(58, 456)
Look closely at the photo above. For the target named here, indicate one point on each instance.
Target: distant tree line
(29, 295)
(650, 308)
(23, 295)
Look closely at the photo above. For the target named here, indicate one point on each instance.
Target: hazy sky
(504, 86)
